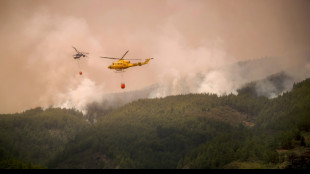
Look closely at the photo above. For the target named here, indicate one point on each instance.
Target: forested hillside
(185, 131)
(31, 138)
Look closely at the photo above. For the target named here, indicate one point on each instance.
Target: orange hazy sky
(184, 36)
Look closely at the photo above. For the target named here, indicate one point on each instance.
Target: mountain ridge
(247, 130)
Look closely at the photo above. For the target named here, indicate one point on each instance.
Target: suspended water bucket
(81, 73)
(122, 85)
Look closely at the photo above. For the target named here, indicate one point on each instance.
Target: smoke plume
(198, 47)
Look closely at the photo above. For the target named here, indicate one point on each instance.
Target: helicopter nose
(109, 67)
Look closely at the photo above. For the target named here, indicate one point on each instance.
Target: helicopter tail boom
(147, 60)
(142, 63)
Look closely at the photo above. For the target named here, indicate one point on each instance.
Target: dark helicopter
(79, 54)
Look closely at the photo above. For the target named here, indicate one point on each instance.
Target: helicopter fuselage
(119, 65)
(79, 55)
(124, 64)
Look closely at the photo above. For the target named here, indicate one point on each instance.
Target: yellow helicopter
(122, 63)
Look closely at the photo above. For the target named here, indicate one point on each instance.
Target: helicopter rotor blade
(124, 54)
(109, 58)
(132, 59)
(75, 49)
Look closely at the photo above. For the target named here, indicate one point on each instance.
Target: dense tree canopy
(184, 131)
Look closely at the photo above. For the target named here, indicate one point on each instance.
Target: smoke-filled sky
(193, 42)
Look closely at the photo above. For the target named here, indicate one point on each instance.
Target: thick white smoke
(52, 65)
(85, 92)
(231, 77)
